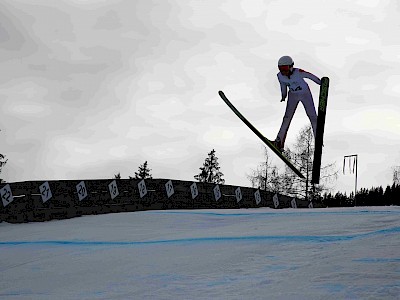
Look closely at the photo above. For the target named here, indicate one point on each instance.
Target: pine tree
(210, 171)
(143, 172)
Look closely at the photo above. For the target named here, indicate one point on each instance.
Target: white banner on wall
(238, 193)
(142, 188)
(276, 201)
(194, 190)
(82, 191)
(169, 188)
(217, 193)
(45, 192)
(6, 195)
(257, 196)
(113, 188)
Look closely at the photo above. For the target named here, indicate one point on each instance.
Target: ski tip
(221, 93)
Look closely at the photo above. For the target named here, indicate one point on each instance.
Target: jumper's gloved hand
(283, 100)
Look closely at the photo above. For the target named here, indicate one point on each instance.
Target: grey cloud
(109, 21)
(15, 41)
(10, 38)
(71, 94)
(380, 20)
(293, 19)
(367, 63)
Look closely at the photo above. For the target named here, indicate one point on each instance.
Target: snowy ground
(347, 253)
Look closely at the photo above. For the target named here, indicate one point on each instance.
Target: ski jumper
(298, 91)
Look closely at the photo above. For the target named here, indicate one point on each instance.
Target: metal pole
(355, 192)
(356, 165)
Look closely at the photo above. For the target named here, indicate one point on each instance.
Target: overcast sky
(92, 88)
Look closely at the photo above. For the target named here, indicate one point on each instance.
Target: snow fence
(32, 201)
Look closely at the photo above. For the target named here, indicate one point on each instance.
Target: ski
(263, 138)
(319, 139)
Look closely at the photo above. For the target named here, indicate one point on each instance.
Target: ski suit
(298, 91)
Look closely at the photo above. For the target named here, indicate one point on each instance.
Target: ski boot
(278, 144)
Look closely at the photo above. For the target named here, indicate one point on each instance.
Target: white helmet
(285, 61)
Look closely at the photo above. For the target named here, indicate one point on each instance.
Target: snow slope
(341, 253)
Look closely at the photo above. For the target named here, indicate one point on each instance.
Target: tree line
(375, 196)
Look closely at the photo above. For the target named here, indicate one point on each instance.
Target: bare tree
(266, 176)
(396, 175)
(302, 156)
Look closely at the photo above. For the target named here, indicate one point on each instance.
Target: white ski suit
(298, 91)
